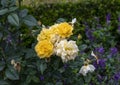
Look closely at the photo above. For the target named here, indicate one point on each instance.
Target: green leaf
(29, 78)
(3, 11)
(61, 70)
(30, 53)
(35, 79)
(12, 74)
(4, 3)
(59, 83)
(13, 19)
(60, 20)
(88, 78)
(41, 67)
(23, 13)
(12, 2)
(2, 82)
(83, 47)
(30, 21)
(2, 65)
(12, 9)
(49, 84)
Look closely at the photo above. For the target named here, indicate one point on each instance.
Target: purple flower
(117, 76)
(100, 50)
(89, 34)
(41, 77)
(113, 51)
(108, 17)
(100, 63)
(118, 27)
(65, 66)
(119, 18)
(99, 26)
(8, 39)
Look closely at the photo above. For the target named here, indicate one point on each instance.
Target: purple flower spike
(8, 39)
(65, 66)
(113, 51)
(108, 17)
(100, 50)
(119, 28)
(119, 18)
(117, 76)
(100, 63)
(88, 32)
(41, 77)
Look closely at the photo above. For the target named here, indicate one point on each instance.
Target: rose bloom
(44, 49)
(47, 34)
(64, 29)
(86, 68)
(67, 50)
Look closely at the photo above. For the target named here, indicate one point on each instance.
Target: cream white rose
(67, 50)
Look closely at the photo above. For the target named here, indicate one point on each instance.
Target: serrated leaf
(30, 21)
(12, 74)
(3, 11)
(2, 66)
(2, 82)
(13, 19)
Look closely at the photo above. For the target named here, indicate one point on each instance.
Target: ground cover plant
(69, 44)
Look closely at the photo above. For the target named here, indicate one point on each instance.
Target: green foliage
(13, 19)
(12, 74)
(83, 11)
(11, 38)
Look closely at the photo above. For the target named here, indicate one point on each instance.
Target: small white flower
(86, 68)
(73, 20)
(67, 50)
(92, 53)
(12, 61)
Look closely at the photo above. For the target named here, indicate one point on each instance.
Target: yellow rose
(45, 34)
(48, 34)
(44, 49)
(64, 29)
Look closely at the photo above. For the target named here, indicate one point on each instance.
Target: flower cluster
(53, 40)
